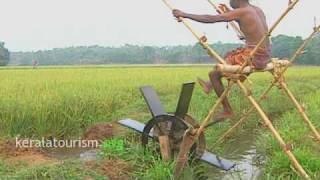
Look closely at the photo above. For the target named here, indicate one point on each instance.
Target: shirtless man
(252, 22)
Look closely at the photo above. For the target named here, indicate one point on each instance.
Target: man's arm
(224, 17)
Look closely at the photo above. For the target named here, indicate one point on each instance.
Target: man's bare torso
(253, 25)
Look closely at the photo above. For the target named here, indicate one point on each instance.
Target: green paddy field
(62, 102)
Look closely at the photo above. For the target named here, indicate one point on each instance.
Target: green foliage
(312, 55)
(113, 148)
(292, 127)
(158, 170)
(149, 165)
(284, 46)
(63, 102)
(68, 170)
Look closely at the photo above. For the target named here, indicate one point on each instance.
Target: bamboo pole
(300, 110)
(276, 79)
(275, 133)
(268, 34)
(205, 45)
(232, 24)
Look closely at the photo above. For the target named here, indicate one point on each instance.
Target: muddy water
(73, 153)
(242, 150)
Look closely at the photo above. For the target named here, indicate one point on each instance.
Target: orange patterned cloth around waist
(239, 55)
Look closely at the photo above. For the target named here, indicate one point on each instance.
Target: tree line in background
(283, 47)
(4, 55)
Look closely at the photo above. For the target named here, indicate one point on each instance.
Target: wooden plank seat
(226, 68)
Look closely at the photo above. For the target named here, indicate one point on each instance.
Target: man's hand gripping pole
(202, 39)
(232, 23)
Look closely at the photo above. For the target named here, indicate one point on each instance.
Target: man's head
(236, 3)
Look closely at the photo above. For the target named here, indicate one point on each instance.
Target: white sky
(44, 24)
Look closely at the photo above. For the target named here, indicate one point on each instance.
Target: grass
(292, 127)
(63, 102)
(72, 170)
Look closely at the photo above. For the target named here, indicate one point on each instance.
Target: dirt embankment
(113, 169)
(100, 132)
(32, 156)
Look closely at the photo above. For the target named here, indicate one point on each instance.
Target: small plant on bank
(113, 148)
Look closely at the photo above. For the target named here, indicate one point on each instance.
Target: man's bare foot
(222, 116)
(206, 86)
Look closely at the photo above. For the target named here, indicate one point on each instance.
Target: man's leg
(206, 85)
(215, 77)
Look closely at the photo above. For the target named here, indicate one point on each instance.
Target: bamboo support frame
(192, 134)
(292, 60)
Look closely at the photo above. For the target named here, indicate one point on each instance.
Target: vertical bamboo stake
(300, 110)
(275, 133)
(165, 147)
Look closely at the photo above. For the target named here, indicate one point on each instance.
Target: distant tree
(4, 55)
(282, 46)
(312, 53)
